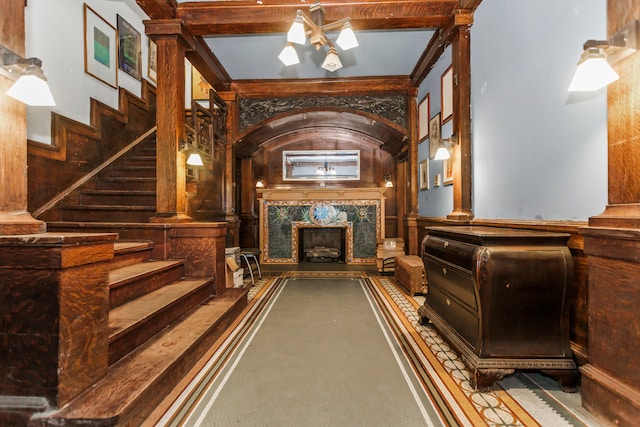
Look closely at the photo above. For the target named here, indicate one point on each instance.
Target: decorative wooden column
(172, 41)
(461, 61)
(412, 216)
(231, 216)
(611, 379)
(14, 217)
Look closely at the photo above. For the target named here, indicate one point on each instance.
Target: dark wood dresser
(498, 296)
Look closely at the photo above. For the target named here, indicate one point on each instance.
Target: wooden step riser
(96, 215)
(133, 171)
(143, 184)
(145, 161)
(123, 260)
(127, 342)
(150, 398)
(110, 199)
(121, 294)
(142, 403)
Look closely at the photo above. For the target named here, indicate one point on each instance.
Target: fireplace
(294, 219)
(310, 238)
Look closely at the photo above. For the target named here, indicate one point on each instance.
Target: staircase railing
(60, 196)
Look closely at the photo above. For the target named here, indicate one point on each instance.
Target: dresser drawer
(451, 279)
(457, 315)
(458, 253)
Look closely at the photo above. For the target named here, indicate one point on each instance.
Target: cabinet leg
(424, 319)
(483, 379)
(567, 378)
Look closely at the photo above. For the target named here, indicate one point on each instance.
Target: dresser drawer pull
(444, 271)
(446, 244)
(448, 302)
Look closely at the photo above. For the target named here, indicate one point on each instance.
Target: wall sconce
(443, 151)
(30, 85)
(260, 182)
(595, 66)
(387, 181)
(194, 158)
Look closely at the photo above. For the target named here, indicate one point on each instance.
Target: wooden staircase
(160, 324)
(124, 191)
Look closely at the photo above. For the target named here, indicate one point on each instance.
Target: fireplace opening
(321, 244)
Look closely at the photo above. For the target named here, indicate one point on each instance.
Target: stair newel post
(14, 217)
(172, 41)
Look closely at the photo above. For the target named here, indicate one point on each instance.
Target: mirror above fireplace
(321, 165)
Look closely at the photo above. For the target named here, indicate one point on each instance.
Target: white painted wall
(54, 31)
(538, 152)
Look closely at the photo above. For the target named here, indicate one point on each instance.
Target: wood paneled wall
(77, 148)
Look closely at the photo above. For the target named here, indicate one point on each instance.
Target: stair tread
(109, 191)
(123, 246)
(127, 315)
(110, 207)
(130, 178)
(128, 377)
(131, 272)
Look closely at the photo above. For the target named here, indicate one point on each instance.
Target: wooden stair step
(129, 282)
(127, 253)
(119, 197)
(137, 383)
(126, 170)
(107, 213)
(136, 321)
(125, 182)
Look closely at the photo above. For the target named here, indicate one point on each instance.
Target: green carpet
(310, 358)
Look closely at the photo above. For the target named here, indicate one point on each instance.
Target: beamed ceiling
(397, 37)
(236, 44)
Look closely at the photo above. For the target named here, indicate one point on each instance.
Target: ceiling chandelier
(314, 28)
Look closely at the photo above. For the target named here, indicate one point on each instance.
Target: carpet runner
(347, 350)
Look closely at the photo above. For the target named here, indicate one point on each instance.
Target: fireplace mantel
(284, 210)
(297, 193)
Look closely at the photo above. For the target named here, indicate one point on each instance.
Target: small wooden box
(409, 272)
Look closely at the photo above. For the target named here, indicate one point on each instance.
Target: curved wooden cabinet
(498, 296)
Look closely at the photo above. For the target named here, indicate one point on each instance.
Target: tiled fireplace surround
(284, 211)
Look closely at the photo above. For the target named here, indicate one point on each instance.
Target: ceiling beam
(244, 17)
(159, 9)
(440, 40)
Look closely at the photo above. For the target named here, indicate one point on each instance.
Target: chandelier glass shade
(313, 28)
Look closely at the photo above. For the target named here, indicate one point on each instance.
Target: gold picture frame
(129, 49)
(446, 93)
(424, 112)
(100, 48)
(447, 171)
(434, 135)
(424, 175)
(199, 86)
(152, 63)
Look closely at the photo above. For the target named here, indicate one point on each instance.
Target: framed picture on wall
(199, 86)
(424, 174)
(434, 135)
(152, 70)
(423, 118)
(129, 49)
(447, 171)
(100, 47)
(446, 92)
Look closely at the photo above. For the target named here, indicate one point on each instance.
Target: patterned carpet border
(514, 401)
